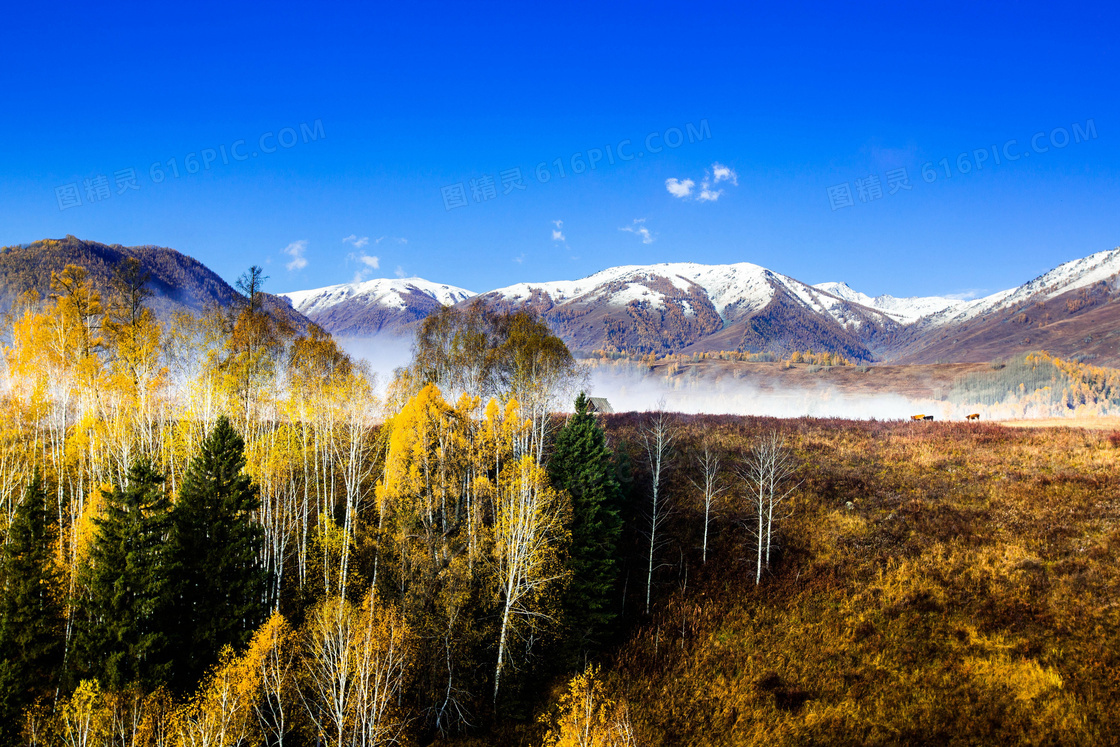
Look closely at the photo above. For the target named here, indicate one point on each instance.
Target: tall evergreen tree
(583, 465)
(216, 551)
(122, 626)
(31, 616)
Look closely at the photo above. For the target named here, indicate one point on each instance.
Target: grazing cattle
(917, 417)
(928, 417)
(973, 416)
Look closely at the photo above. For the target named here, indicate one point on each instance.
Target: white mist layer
(631, 391)
(703, 395)
(383, 353)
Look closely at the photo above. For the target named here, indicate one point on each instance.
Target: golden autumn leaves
(339, 676)
(457, 507)
(418, 559)
(445, 466)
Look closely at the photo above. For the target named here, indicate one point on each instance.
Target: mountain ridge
(679, 307)
(692, 307)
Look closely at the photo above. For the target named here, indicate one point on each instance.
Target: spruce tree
(122, 627)
(31, 615)
(582, 464)
(216, 550)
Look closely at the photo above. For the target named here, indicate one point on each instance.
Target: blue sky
(388, 106)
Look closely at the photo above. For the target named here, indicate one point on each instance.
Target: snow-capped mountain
(731, 289)
(1070, 310)
(902, 310)
(686, 306)
(374, 306)
(1065, 278)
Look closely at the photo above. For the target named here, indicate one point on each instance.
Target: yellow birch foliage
(588, 717)
(77, 723)
(356, 659)
(273, 651)
(530, 532)
(221, 713)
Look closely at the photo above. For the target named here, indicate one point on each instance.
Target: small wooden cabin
(599, 404)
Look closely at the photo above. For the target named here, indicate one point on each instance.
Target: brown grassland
(939, 583)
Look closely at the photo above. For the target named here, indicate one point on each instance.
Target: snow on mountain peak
(902, 310)
(732, 289)
(1070, 276)
(726, 285)
(388, 292)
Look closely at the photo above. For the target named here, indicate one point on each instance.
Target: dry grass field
(942, 584)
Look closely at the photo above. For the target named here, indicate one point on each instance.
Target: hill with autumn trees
(176, 281)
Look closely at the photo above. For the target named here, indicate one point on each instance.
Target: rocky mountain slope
(687, 307)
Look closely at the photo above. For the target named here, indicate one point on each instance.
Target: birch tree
(355, 664)
(274, 654)
(658, 436)
(589, 717)
(710, 485)
(530, 529)
(767, 470)
(221, 712)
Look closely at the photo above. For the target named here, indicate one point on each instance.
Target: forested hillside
(177, 282)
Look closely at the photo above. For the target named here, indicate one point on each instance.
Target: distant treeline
(1041, 381)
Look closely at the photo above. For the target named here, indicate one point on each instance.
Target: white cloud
(557, 234)
(721, 173)
(520, 260)
(295, 250)
(369, 264)
(966, 295)
(707, 192)
(637, 228)
(400, 272)
(679, 187)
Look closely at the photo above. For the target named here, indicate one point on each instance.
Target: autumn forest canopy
(220, 530)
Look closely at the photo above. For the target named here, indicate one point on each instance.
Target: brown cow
(917, 417)
(973, 416)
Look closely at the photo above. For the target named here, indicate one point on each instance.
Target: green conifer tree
(582, 464)
(221, 585)
(124, 616)
(31, 615)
